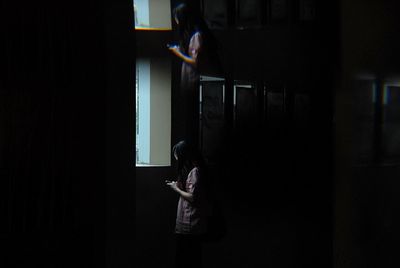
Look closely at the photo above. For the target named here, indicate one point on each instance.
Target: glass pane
(278, 10)
(152, 14)
(215, 13)
(153, 112)
(248, 13)
(212, 93)
(391, 124)
(143, 111)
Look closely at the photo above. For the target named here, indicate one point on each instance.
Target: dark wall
(119, 132)
(155, 218)
(52, 138)
(66, 148)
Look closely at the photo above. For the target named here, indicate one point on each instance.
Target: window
(143, 112)
(152, 14)
(212, 117)
(245, 104)
(376, 121)
(153, 83)
(153, 112)
(391, 122)
(215, 13)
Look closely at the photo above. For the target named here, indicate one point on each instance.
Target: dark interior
(305, 165)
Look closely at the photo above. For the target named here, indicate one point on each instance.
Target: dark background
(292, 197)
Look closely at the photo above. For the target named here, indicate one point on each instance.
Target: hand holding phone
(172, 46)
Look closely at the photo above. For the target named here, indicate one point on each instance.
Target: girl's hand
(172, 184)
(174, 49)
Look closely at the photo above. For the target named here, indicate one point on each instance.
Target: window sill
(151, 166)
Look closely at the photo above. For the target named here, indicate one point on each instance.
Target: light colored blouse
(191, 217)
(190, 75)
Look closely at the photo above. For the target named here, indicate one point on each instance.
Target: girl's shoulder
(195, 169)
(194, 173)
(197, 35)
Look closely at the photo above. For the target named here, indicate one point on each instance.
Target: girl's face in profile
(176, 156)
(176, 20)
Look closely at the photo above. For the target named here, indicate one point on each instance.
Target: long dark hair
(188, 158)
(191, 21)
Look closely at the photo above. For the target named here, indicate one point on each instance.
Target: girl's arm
(176, 50)
(195, 47)
(185, 195)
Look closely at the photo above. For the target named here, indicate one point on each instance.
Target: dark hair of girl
(188, 158)
(190, 21)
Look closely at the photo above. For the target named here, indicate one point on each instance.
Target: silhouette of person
(193, 206)
(198, 51)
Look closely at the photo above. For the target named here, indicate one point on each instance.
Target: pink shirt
(191, 216)
(189, 74)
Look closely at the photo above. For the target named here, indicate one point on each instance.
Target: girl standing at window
(197, 49)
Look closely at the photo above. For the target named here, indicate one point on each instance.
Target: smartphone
(171, 45)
